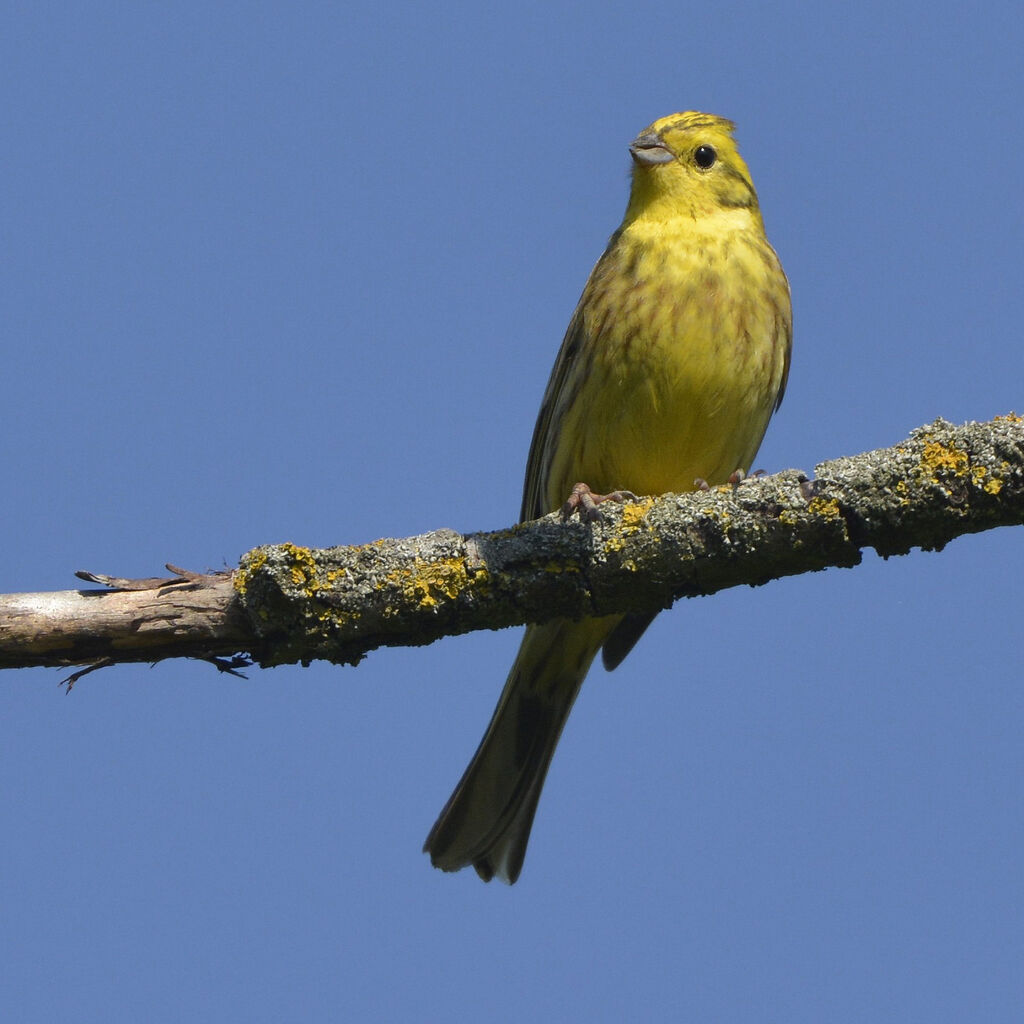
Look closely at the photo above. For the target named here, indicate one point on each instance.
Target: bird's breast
(683, 359)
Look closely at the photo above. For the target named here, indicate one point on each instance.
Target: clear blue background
(299, 272)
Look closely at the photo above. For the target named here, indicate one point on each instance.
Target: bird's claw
(584, 502)
(736, 477)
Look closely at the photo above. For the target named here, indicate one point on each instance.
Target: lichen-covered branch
(292, 604)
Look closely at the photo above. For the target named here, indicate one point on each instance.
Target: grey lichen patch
(926, 490)
(337, 602)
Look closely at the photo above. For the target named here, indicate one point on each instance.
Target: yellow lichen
(257, 561)
(632, 522)
(633, 515)
(559, 567)
(826, 508)
(306, 573)
(338, 618)
(994, 484)
(713, 513)
(240, 580)
(429, 581)
(939, 458)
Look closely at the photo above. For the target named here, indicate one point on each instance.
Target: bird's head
(688, 165)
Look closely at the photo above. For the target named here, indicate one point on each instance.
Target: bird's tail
(487, 820)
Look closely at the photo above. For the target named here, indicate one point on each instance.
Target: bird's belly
(663, 411)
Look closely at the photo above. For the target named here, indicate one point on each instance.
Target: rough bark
(287, 603)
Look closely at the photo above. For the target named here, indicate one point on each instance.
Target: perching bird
(673, 363)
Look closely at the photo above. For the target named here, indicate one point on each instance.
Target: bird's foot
(584, 502)
(736, 477)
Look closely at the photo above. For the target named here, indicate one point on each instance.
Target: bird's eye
(705, 156)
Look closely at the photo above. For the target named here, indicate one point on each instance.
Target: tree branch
(289, 604)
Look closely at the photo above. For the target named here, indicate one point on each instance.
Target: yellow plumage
(671, 367)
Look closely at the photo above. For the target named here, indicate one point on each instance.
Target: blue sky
(299, 272)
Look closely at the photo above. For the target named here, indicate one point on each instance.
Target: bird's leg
(584, 501)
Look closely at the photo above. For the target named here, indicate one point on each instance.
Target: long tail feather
(488, 817)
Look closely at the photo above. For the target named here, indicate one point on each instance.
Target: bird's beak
(648, 150)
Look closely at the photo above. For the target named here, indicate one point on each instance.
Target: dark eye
(705, 156)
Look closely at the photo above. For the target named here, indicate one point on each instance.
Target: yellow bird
(673, 363)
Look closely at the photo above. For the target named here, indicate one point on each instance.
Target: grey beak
(649, 150)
